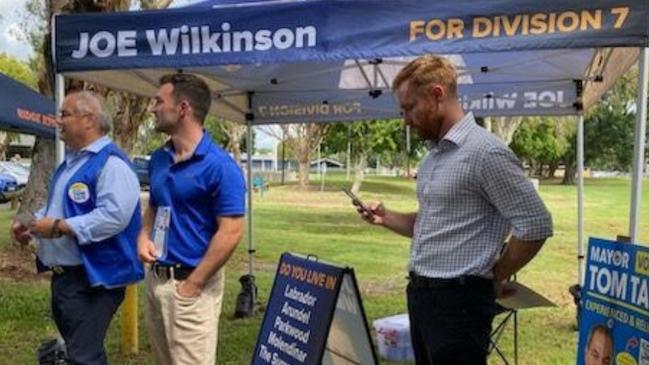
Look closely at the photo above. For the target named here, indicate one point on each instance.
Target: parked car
(18, 171)
(141, 165)
(8, 188)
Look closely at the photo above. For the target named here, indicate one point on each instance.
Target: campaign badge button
(79, 192)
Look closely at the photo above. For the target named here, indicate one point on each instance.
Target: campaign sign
(614, 325)
(307, 298)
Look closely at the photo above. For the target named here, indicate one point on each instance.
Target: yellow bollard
(129, 338)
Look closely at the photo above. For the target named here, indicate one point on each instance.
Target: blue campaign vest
(112, 262)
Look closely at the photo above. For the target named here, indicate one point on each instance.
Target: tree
(384, 138)
(608, 130)
(503, 127)
(542, 143)
(302, 139)
(229, 134)
(18, 70)
(610, 126)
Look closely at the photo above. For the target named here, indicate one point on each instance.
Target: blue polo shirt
(198, 190)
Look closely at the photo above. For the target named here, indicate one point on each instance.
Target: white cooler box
(393, 338)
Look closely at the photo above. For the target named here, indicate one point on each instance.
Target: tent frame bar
(580, 199)
(251, 242)
(59, 95)
(639, 144)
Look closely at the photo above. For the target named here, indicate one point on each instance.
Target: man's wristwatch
(56, 230)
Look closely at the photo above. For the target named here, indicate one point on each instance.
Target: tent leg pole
(59, 95)
(407, 151)
(580, 198)
(639, 144)
(251, 245)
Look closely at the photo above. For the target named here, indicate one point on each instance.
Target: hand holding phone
(358, 203)
(20, 229)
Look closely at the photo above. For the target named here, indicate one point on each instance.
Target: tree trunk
(43, 161)
(303, 172)
(552, 169)
(234, 132)
(569, 175)
(303, 139)
(6, 141)
(359, 172)
(503, 127)
(129, 112)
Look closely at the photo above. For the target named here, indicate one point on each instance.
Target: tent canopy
(23, 110)
(332, 60)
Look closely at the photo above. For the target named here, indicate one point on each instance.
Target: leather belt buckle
(178, 272)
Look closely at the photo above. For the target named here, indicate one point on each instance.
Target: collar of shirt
(201, 149)
(94, 147)
(456, 135)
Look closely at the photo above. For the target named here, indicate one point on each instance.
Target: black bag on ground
(245, 306)
(52, 352)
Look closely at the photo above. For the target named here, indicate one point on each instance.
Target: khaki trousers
(183, 331)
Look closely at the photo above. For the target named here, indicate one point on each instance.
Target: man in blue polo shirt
(193, 223)
(88, 230)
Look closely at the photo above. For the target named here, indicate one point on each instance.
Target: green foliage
(150, 140)
(18, 70)
(385, 138)
(289, 154)
(609, 130)
(218, 135)
(609, 127)
(215, 127)
(540, 141)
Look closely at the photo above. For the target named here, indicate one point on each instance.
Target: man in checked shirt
(472, 195)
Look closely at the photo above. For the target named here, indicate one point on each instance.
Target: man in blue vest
(192, 225)
(88, 230)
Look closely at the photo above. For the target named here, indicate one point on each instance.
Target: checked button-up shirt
(472, 193)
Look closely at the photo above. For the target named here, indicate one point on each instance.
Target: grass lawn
(325, 224)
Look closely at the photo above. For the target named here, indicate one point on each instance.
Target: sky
(12, 45)
(9, 26)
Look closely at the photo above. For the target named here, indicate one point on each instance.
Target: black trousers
(451, 325)
(82, 315)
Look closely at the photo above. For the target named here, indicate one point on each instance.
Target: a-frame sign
(314, 316)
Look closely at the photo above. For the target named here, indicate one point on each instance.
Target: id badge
(160, 229)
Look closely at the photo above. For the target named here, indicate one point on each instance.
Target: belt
(443, 283)
(178, 271)
(62, 269)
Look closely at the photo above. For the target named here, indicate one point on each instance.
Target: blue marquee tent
(23, 110)
(324, 60)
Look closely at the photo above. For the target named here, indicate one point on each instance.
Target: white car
(18, 171)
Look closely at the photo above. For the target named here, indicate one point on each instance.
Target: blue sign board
(301, 325)
(614, 325)
(299, 312)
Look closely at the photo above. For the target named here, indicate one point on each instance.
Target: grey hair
(89, 102)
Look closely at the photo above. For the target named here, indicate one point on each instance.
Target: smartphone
(357, 202)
